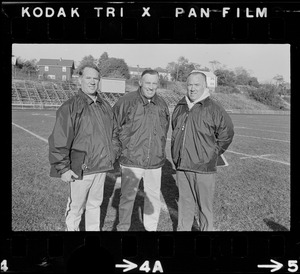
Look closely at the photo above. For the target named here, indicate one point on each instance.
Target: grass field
(252, 193)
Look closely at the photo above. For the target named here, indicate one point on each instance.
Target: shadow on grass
(169, 191)
(275, 226)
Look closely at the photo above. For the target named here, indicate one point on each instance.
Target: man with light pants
(143, 121)
(81, 149)
(202, 131)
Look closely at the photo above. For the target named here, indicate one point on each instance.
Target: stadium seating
(47, 94)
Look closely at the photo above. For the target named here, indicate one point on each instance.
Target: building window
(46, 68)
(64, 69)
(51, 77)
(64, 77)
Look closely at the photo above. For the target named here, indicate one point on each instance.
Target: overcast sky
(264, 61)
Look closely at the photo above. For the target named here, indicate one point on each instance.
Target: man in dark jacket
(202, 131)
(81, 150)
(143, 122)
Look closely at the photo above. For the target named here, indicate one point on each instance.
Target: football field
(252, 193)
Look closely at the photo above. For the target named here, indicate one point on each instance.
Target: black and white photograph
(150, 137)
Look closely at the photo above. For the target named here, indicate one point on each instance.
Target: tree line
(108, 66)
(227, 79)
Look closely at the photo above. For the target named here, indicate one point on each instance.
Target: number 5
(293, 267)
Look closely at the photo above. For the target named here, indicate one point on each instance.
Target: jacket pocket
(78, 164)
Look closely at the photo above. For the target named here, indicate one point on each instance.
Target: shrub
(226, 89)
(268, 95)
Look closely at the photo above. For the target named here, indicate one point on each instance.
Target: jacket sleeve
(224, 131)
(60, 141)
(173, 119)
(168, 120)
(119, 111)
(115, 139)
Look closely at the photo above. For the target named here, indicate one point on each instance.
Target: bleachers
(170, 97)
(33, 95)
(53, 94)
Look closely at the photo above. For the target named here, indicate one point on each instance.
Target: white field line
(253, 156)
(259, 157)
(247, 155)
(46, 114)
(258, 124)
(263, 130)
(271, 139)
(35, 135)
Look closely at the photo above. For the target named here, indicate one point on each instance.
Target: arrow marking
(128, 266)
(275, 266)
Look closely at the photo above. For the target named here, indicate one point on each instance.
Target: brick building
(56, 69)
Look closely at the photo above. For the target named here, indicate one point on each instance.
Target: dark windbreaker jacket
(142, 130)
(82, 126)
(200, 135)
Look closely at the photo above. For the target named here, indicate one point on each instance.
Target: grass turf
(251, 194)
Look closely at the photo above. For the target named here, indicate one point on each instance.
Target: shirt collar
(154, 99)
(88, 99)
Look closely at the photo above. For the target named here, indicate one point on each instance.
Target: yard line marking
(35, 135)
(251, 156)
(46, 114)
(264, 130)
(256, 156)
(257, 124)
(271, 139)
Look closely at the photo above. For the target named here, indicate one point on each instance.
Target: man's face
(149, 85)
(195, 86)
(89, 80)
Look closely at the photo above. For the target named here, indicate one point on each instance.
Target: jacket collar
(154, 99)
(200, 99)
(88, 99)
(183, 101)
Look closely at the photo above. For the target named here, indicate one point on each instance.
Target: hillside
(239, 101)
(43, 94)
(233, 101)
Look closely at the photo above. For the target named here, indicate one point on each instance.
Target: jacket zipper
(148, 156)
(183, 128)
(149, 147)
(99, 118)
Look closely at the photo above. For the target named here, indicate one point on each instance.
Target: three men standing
(88, 136)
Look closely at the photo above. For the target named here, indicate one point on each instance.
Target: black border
(224, 251)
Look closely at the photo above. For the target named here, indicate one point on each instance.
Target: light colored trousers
(130, 180)
(85, 194)
(195, 190)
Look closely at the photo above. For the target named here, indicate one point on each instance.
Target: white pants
(85, 194)
(131, 177)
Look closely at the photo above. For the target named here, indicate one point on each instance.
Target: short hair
(198, 72)
(149, 71)
(88, 65)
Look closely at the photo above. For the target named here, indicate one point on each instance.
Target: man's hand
(67, 176)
